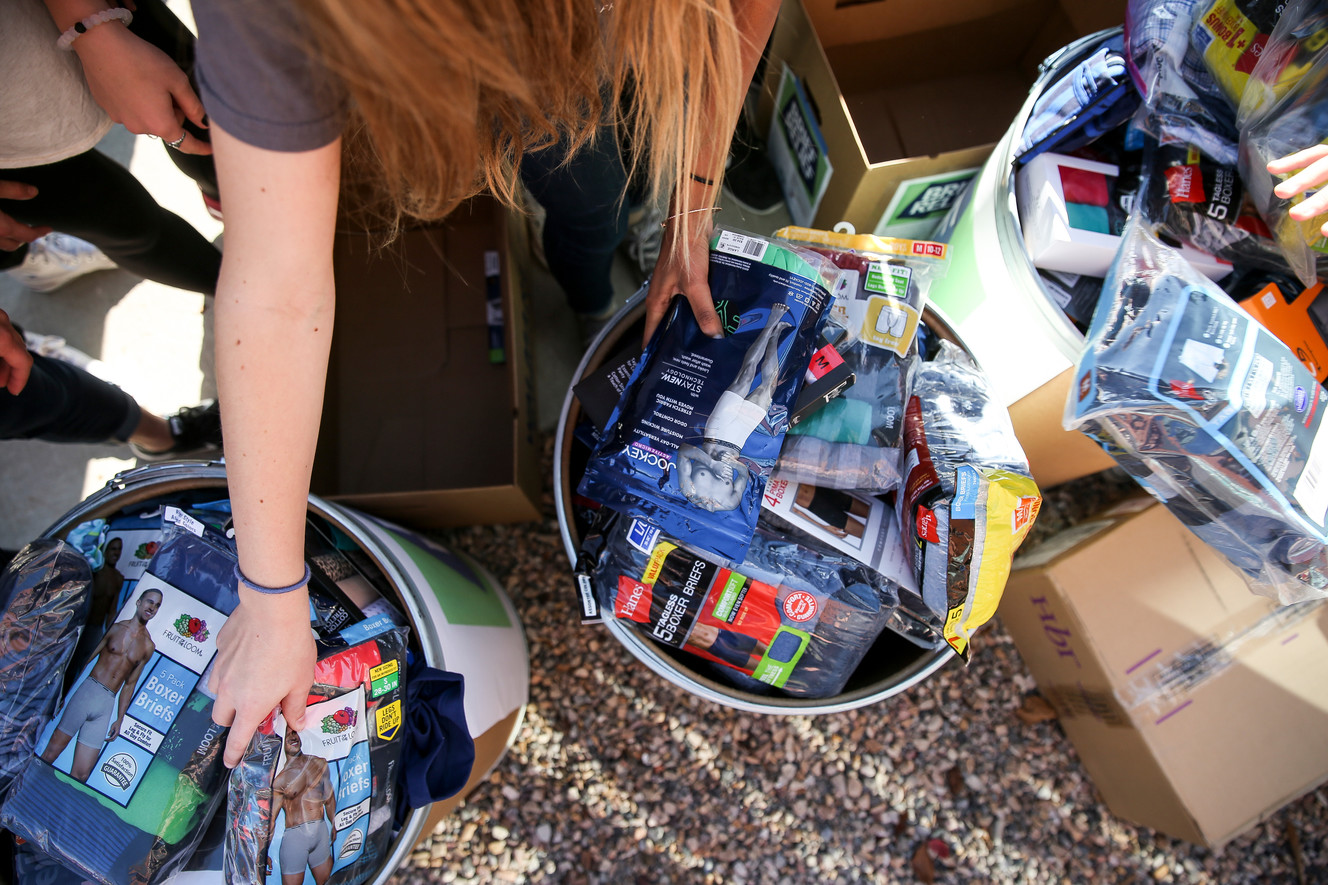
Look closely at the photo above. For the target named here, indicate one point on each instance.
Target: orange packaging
(1292, 324)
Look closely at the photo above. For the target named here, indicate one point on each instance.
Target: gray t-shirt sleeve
(257, 79)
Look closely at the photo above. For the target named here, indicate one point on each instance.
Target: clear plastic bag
(1211, 414)
(45, 599)
(967, 502)
(1284, 110)
(1183, 103)
(789, 617)
(876, 319)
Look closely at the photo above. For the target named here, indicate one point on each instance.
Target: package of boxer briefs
(1212, 414)
(787, 617)
(129, 771)
(45, 597)
(318, 803)
(700, 424)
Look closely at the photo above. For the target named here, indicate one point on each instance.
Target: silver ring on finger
(176, 144)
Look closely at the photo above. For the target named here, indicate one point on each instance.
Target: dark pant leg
(156, 24)
(63, 403)
(587, 205)
(96, 199)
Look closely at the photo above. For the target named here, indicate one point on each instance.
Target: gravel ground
(618, 776)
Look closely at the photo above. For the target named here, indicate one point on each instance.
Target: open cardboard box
(1198, 708)
(909, 88)
(419, 426)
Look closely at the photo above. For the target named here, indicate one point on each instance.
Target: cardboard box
(1198, 708)
(419, 426)
(911, 88)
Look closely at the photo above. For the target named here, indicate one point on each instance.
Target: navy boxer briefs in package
(137, 770)
(701, 422)
(320, 802)
(44, 593)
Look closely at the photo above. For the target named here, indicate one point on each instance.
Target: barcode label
(178, 517)
(589, 605)
(739, 244)
(1311, 491)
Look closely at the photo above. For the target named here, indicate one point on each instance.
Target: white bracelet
(66, 40)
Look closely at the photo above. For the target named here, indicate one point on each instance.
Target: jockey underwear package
(1212, 414)
(967, 502)
(787, 617)
(701, 422)
(852, 443)
(45, 599)
(319, 802)
(129, 770)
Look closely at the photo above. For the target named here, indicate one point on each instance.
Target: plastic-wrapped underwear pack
(1212, 414)
(135, 768)
(968, 501)
(1230, 36)
(319, 802)
(701, 421)
(852, 443)
(787, 617)
(1183, 103)
(1284, 110)
(45, 599)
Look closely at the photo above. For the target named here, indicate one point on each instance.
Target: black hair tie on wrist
(699, 179)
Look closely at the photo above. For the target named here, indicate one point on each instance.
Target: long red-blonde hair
(448, 95)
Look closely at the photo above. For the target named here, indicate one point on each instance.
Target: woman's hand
(15, 360)
(14, 233)
(685, 271)
(1311, 168)
(140, 87)
(265, 659)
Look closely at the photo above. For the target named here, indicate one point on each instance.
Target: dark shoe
(196, 432)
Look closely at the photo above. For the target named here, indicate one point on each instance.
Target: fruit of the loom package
(1230, 36)
(136, 768)
(1183, 103)
(1212, 414)
(321, 799)
(1202, 203)
(700, 423)
(1285, 110)
(968, 501)
(852, 442)
(788, 617)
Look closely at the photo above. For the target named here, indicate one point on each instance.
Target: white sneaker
(56, 259)
(643, 241)
(56, 348)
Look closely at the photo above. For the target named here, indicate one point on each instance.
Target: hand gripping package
(129, 770)
(701, 421)
(786, 618)
(317, 803)
(1212, 414)
(967, 502)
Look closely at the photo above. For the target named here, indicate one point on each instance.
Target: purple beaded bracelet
(271, 591)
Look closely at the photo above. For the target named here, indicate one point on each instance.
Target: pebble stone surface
(617, 776)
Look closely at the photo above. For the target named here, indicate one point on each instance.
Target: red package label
(1185, 184)
(823, 361)
(632, 601)
(1250, 57)
(1026, 511)
(799, 606)
(926, 525)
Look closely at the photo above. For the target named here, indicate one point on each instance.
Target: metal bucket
(461, 618)
(892, 665)
(994, 297)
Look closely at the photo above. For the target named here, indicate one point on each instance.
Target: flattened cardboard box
(909, 88)
(1198, 708)
(418, 425)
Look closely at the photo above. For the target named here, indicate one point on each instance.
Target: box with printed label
(906, 89)
(1198, 708)
(425, 421)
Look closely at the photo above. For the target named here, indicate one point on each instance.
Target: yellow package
(1231, 35)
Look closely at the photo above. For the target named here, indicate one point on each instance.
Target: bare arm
(755, 20)
(275, 304)
(127, 695)
(330, 803)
